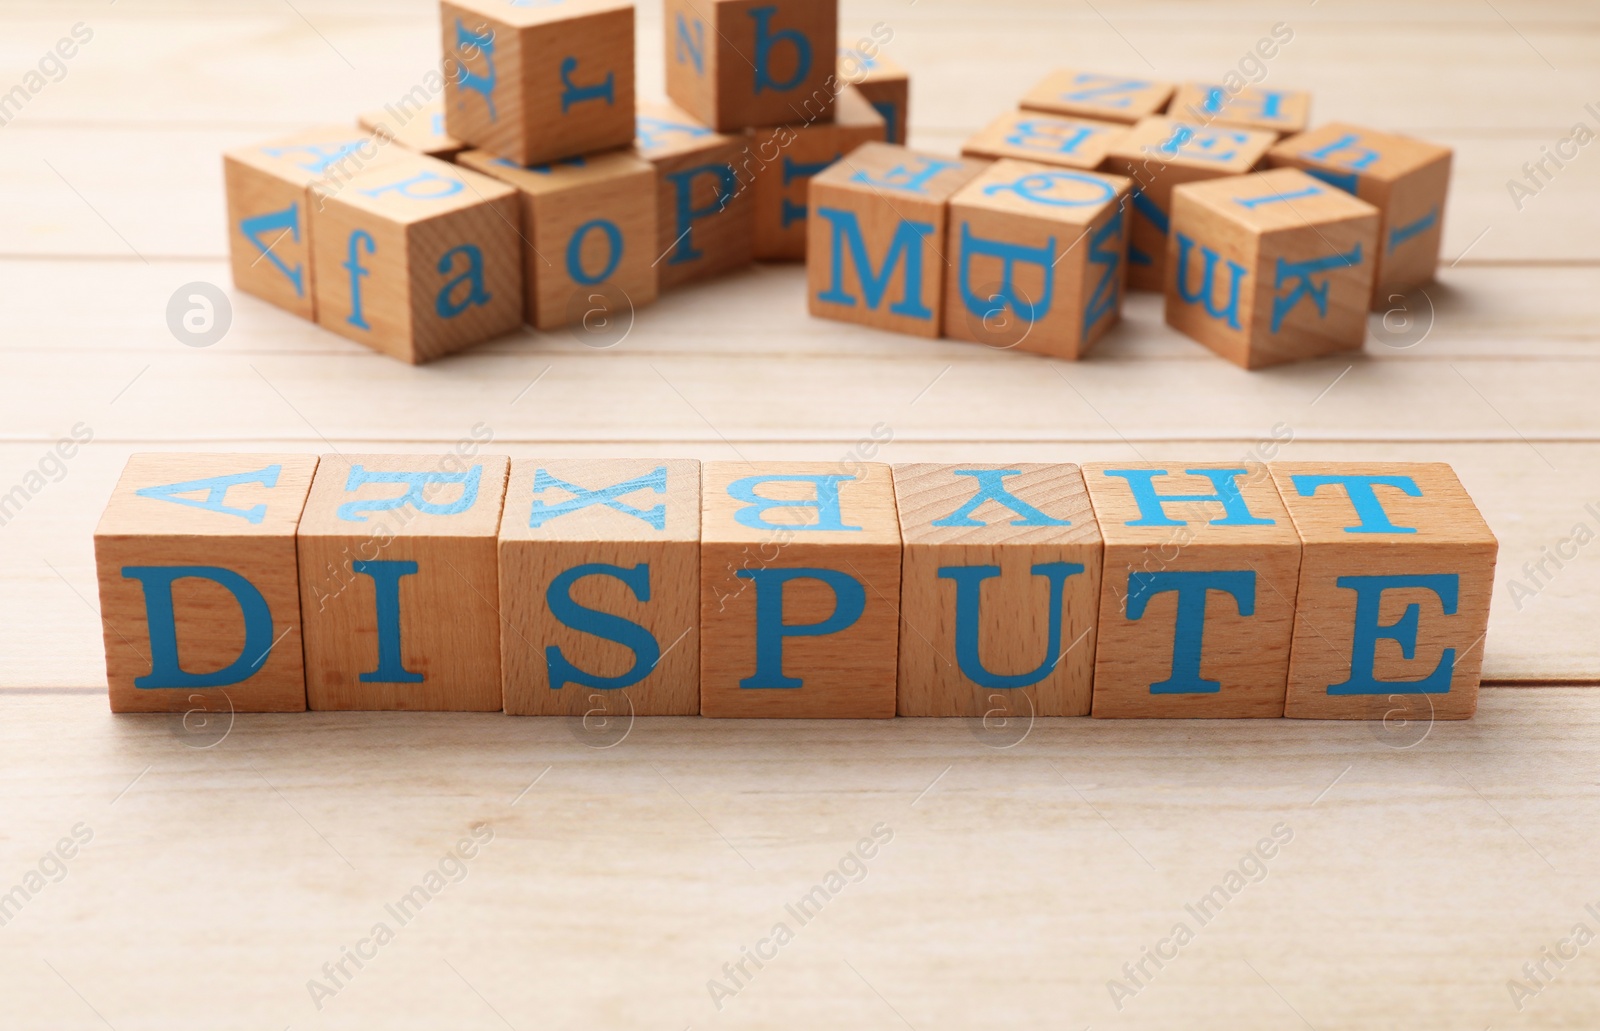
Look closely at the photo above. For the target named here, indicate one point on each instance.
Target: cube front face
(600, 588)
(1037, 258)
(800, 588)
(1394, 591)
(538, 84)
(736, 64)
(705, 215)
(875, 238)
(884, 85)
(399, 582)
(1114, 98)
(1000, 590)
(199, 601)
(1248, 107)
(1197, 605)
(1048, 139)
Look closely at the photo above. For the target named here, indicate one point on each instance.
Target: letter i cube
(799, 590)
(270, 202)
(1405, 179)
(1113, 98)
(1197, 604)
(1158, 154)
(875, 237)
(418, 259)
(735, 64)
(199, 591)
(600, 588)
(1246, 107)
(590, 235)
(1036, 258)
(399, 582)
(538, 82)
(1395, 580)
(1271, 267)
(705, 214)
(884, 84)
(1000, 590)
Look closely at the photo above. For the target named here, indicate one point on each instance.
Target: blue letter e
(165, 671)
(1403, 631)
(850, 601)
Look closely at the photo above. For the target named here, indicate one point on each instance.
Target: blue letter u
(969, 586)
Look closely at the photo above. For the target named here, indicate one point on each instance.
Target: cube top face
(1279, 200)
(1345, 154)
(1214, 149)
(1115, 98)
(1067, 196)
(856, 65)
(852, 110)
(590, 500)
(406, 496)
(1145, 504)
(886, 169)
(1025, 504)
(1048, 139)
(414, 188)
(520, 14)
(607, 167)
(421, 130)
(307, 157)
(1251, 107)
(667, 130)
(823, 503)
(1364, 504)
(738, 64)
(206, 495)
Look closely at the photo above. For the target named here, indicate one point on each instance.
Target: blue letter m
(905, 247)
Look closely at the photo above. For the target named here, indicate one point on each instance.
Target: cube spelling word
(539, 82)
(1247, 107)
(705, 216)
(884, 84)
(600, 588)
(735, 64)
(1271, 267)
(199, 594)
(1000, 590)
(416, 127)
(1197, 605)
(1395, 579)
(799, 589)
(875, 238)
(1114, 98)
(399, 582)
(1159, 154)
(1036, 258)
(589, 233)
(1047, 139)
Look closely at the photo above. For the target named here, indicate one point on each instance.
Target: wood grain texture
(417, 126)
(739, 64)
(885, 84)
(1262, 108)
(1047, 139)
(705, 214)
(1090, 94)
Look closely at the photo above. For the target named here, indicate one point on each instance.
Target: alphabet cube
(999, 592)
(589, 233)
(1395, 579)
(417, 127)
(1114, 98)
(1047, 139)
(1405, 179)
(705, 216)
(1248, 107)
(799, 590)
(1036, 258)
(875, 239)
(884, 84)
(417, 258)
(1159, 154)
(781, 162)
(269, 208)
(1270, 267)
(199, 594)
(736, 64)
(399, 582)
(1198, 601)
(600, 588)
(538, 82)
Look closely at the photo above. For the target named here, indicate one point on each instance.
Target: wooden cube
(1000, 590)
(199, 591)
(538, 82)
(1036, 258)
(600, 588)
(780, 163)
(1244, 106)
(416, 125)
(736, 64)
(875, 237)
(1395, 579)
(1197, 605)
(399, 582)
(270, 202)
(1113, 98)
(799, 590)
(884, 84)
(589, 233)
(417, 258)
(1405, 179)
(706, 216)
(1046, 139)
(1271, 267)
(1159, 154)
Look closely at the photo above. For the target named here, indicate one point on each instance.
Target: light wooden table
(228, 863)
